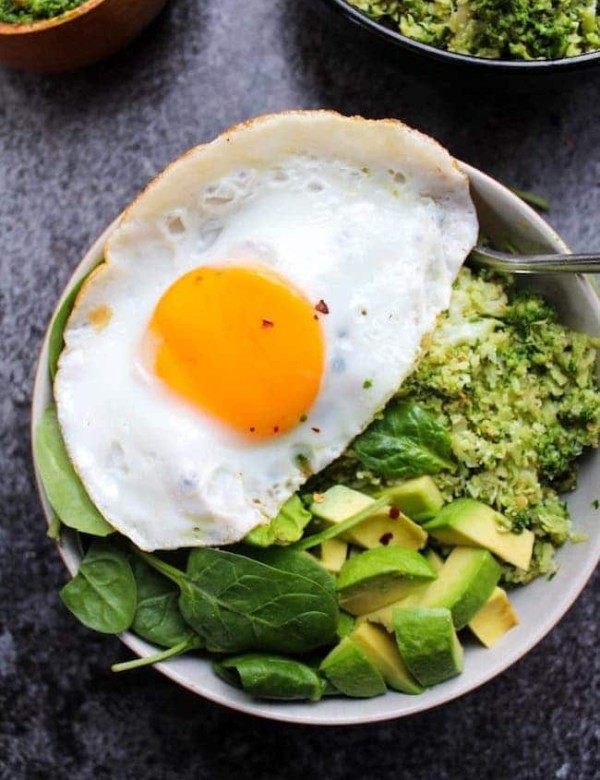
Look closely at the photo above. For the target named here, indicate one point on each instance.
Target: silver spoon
(534, 264)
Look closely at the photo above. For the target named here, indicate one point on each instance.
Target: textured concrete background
(74, 150)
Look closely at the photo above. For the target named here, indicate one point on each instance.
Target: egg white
(370, 217)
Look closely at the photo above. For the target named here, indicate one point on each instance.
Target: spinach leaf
(406, 442)
(192, 643)
(271, 677)
(102, 595)
(285, 528)
(157, 616)
(288, 560)
(335, 529)
(55, 339)
(235, 603)
(64, 489)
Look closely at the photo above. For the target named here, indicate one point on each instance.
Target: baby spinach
(157, 616)
(285, 528)
(102, 595)
(289, 560)
(55, 339)
(64, 489)
(271, 677)
(192, 643)
(236, 603)
(406, 442)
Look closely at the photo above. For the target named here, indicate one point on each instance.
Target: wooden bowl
(88, 33)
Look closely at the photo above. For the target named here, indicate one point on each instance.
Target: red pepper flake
(275, 429)
(252, 430)
(322, 307)
(315, 317)
(386, 538)
(316, 430)
(394, 512)
(267, 323)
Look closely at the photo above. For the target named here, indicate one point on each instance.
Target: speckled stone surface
(74, 149)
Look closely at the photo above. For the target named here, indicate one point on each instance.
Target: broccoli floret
(504, 29)
(526, 308)
(556, 452)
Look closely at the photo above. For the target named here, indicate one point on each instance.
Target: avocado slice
(382, 528)
(333, 554)
(345, 624)
(418, 498)
(473, 524)
(350, 670)
(494, 619)
(383, 652)
(428, 643)
(434, 559)
(381, 576)
(383, 616)
(465, 581)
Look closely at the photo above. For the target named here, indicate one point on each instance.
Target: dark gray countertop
(74, 149)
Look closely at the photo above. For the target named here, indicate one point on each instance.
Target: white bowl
(539, 605)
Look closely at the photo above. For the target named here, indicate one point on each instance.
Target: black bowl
(519, 74)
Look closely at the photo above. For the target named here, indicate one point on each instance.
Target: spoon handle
(533, 264)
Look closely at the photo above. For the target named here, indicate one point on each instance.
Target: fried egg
(259, 303)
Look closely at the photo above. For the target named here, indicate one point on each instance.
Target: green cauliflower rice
(29, 11)
(497, 29)
(518, 393)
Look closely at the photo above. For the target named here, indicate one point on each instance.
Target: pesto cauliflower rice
(518, 394)
(495, 29)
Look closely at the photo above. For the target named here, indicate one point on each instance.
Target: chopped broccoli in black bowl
(522, 44)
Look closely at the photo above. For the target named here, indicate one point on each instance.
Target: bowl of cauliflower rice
(442, 545)
(508, 37)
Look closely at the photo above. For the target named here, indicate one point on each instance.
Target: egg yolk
(242, 344)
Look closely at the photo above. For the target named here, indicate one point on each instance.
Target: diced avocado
(434, 559)
(333, 554)
(494, 619)
(418, 498)
(350, 670)
(338, 503)
(345, 624)
(465, 581)
(381, 576)
(471, 523)
(383, 616)
(428, 643)
(383, 652)
(464, 584)
(383, 528)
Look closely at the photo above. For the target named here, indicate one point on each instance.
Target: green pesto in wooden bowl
(31, 11)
